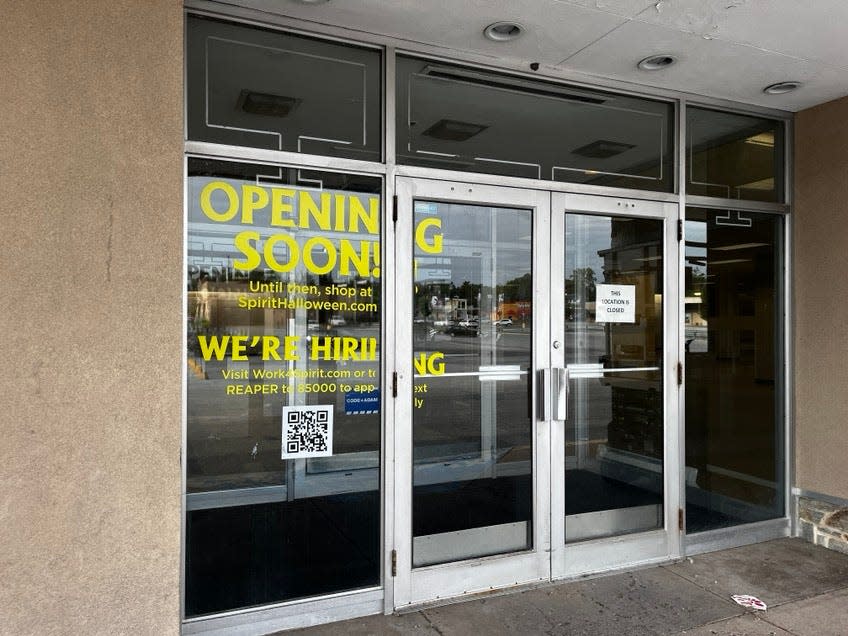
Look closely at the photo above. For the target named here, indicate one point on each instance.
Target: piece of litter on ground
(749, 601)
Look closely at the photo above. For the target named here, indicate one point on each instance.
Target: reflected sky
(470, 232)
(585, 237)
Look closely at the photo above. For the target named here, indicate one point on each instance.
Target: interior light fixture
(503, 31)
(602, 149)
(781, 87)
(656, 62)
(267, 104)
(452, 130)
(762, 139)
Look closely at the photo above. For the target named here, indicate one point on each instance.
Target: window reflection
(734, 156)
(284, 300)
(465, 119)
(261, 88)
(734, 444)
(472, 441)
(614, 431)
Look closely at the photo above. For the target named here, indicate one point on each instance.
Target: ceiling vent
(516, 84)
(266, 104)
(602, 149)
(452, 130)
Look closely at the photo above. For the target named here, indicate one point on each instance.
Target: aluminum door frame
(419, 586)
(642, 548)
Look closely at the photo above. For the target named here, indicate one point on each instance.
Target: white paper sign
(615, 303)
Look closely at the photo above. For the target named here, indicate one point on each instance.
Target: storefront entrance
(453, 329)
(531, 428)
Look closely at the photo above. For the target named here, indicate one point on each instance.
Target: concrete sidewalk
(804, 586)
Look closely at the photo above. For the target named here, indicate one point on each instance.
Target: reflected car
(337, 321)
(504, 322)
(464, 328)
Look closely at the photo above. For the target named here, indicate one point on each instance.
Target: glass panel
(464, 119)
(260, 88)
(734, 156)
(283, 438)
(472, 433)
(614, 353)
(734, 430)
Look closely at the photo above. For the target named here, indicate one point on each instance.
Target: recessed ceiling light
(656, 62)
(781, 87)
(503, 31)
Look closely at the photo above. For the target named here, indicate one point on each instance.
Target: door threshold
(471, 596)
(535, 585)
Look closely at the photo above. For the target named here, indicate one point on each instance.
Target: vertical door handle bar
(559, 392)
(543, 403)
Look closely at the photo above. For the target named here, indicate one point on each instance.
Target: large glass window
(266, 89)
(457, 118)
(283, 335)
(733, 156)
(734, 330)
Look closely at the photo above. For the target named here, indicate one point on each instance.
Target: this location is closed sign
(615, 303)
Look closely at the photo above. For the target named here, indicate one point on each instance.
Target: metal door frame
(644, 548)
(413, 587)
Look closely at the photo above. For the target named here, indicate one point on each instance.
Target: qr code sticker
(307, 431)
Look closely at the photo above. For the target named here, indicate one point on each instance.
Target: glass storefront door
(534, 389)
(471, 458)
(613, 382)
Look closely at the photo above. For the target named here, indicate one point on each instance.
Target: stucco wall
(90, 325)
(821, 298)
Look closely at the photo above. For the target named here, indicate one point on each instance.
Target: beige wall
(90, 325)
(821, 298)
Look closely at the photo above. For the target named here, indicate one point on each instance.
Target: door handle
(559, 391)
(543, 403)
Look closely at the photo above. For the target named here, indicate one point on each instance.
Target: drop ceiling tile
(708, 67)
(801, 28)
(555, 29)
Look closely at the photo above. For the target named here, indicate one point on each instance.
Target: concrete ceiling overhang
(726, 49)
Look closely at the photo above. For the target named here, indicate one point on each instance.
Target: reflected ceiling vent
(740, 246)
(503, 31)
(452, 130)
(656, 62)
(516, 84)
(266, 104)
(781, 87)
(602, 149)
